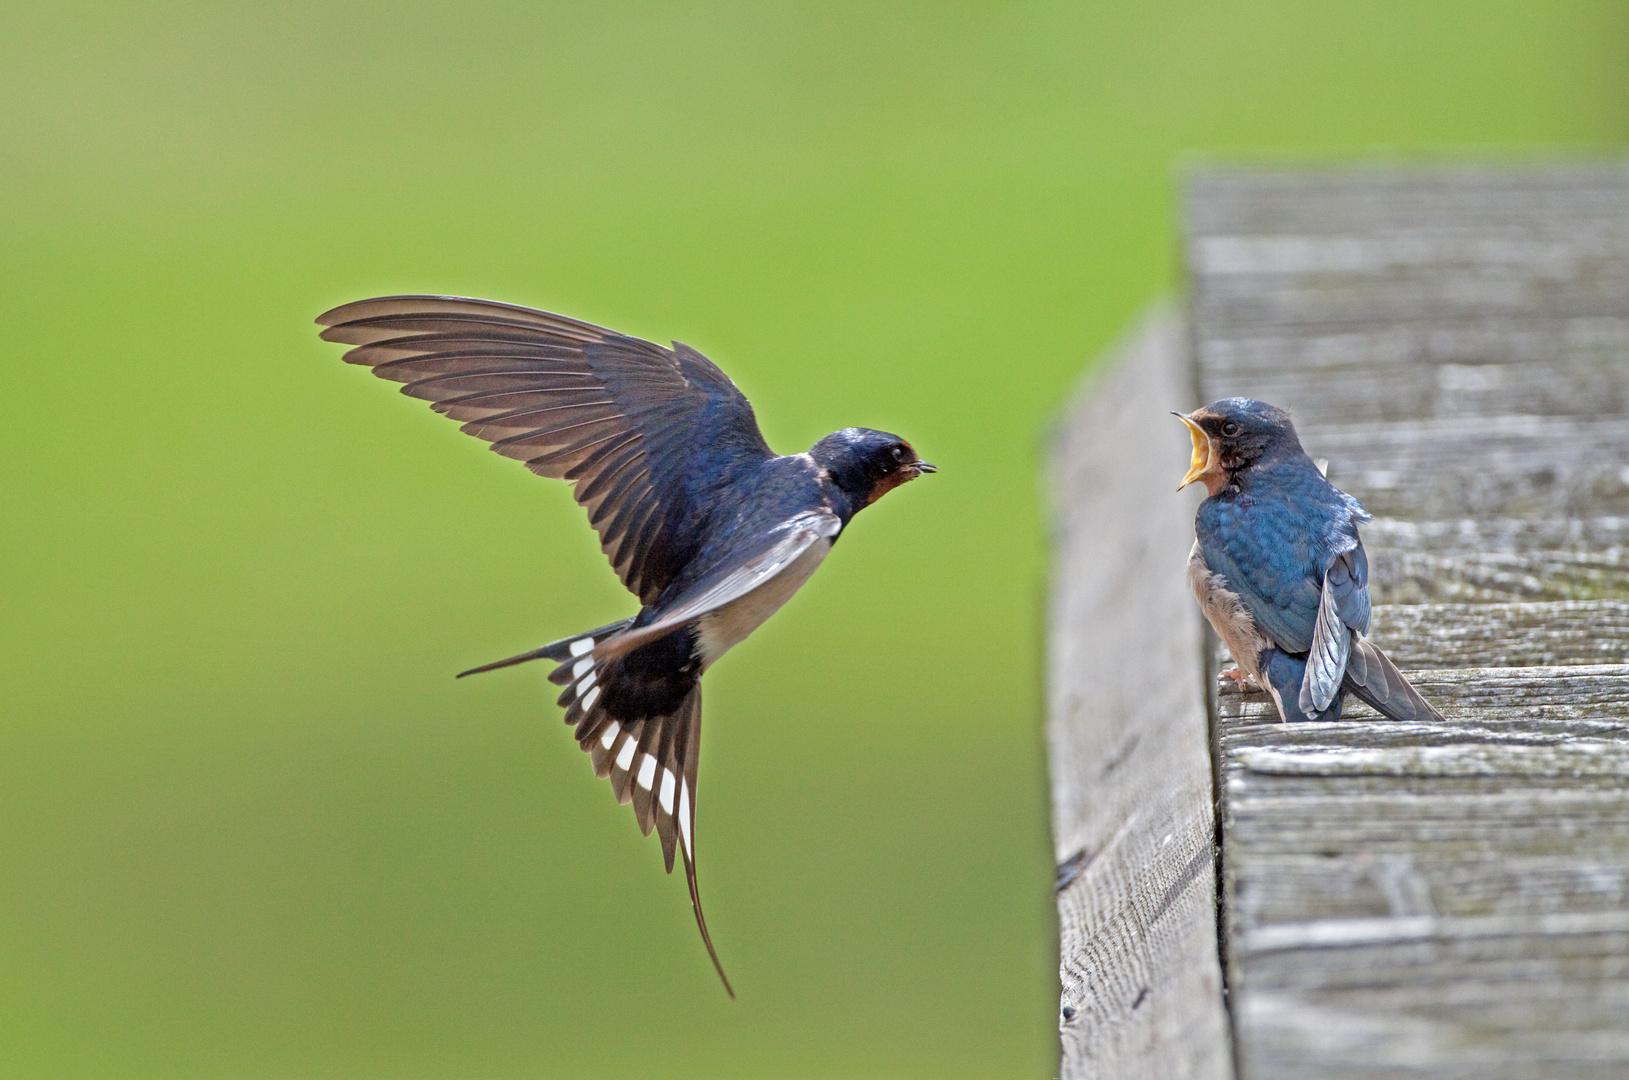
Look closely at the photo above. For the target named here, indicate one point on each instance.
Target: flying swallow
(706, 525)
(1279, 570)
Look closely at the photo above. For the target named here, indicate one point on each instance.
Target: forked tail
(650, 761)
(1372, 676)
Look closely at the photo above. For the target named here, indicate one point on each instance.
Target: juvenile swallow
(1279, 570)
(706, 525)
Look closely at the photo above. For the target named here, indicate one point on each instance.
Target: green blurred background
(251, 827)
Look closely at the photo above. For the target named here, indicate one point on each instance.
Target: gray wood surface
(1443, 900)
(1504, 635)
(1128, 733)
(1435, 899)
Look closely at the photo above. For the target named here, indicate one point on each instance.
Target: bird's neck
(1265, 473)
(844, 503)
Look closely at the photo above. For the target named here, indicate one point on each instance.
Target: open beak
(922, 467)
(1204, 452)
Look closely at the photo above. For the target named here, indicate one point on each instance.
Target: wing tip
(344, 313)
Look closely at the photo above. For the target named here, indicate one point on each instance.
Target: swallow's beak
(1204, 451)
(922, 467)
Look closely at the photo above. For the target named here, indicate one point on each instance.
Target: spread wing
(635, 426)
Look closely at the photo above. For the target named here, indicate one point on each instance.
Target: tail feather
(565, 649)
(650, 761)
(688, 743)
(1372, 676)
(666, 789)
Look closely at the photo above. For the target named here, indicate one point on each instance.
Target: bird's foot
(1241, 682)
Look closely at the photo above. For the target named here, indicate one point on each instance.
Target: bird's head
(1231, 435)
(866, 465)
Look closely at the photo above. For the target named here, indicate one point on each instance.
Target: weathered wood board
(1435, 899)
(1128, 733)
(1442, 900)
(1504, 635)
(1503, 559)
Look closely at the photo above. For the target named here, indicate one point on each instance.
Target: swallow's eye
(898, 452)
(1230, 429)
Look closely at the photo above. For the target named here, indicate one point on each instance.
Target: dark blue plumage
(1279, 568)
(710, 528)
(1282, 675)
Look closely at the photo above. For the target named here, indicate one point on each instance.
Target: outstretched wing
(635, 426)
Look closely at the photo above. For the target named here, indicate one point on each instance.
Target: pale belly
(1227, 614)
(722, 630)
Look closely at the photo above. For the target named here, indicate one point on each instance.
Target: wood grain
(1429, 369)
(1498, 559)
(1446, 899)
(1460, 890)
(1128, 734)
(1504, 635)
(1509, 466)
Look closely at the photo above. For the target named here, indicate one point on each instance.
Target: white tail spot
(625, 755)
(647, 771)
(582, 645)
(684, 816)
(586, 685)
(610, 736)
(583, 668)
(588, 702)
(667, 791)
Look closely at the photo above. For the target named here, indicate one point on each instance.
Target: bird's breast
(720, 631)
(1226, 612)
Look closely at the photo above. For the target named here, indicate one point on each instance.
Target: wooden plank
(1449, 888)
(1381, 248)
(1410, 575)
(1456, 999)
(1362, 202)
(1128, 736)
(1498, 560)
(1423, 369)
(1504, 635)
(1509, 466)
(1445, 899)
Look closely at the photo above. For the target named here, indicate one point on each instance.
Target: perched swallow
(704, 523)
(1279, 570)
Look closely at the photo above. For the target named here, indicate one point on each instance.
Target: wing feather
(783, 546)
(610, 480)
(574, 401)
(1381, 685)
(1326, 661)
(459, 384)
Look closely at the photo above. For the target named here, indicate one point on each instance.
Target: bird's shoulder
(1287, 520)
(750, 511)
(1277, 539)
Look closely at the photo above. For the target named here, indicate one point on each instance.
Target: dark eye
(898, 452)
(1230, 428)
